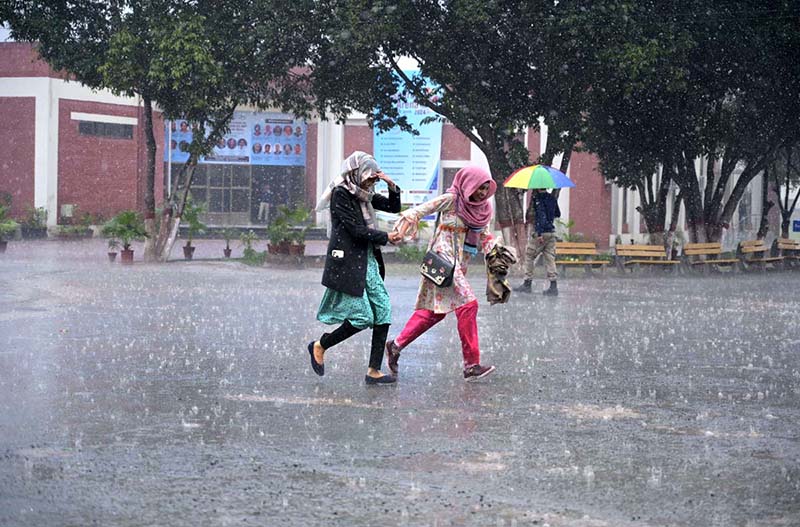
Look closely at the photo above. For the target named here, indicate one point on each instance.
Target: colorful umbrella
(538, 176)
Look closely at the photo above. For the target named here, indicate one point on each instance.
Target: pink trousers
(422, 320)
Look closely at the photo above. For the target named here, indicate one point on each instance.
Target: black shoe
(477, 372)
(392, 356)
(383, 379)
(524, 287)
(318, 368)
(553, 291)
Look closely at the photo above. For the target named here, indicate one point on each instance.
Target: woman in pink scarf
(463, 225)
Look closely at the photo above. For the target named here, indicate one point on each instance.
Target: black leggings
(347, 330)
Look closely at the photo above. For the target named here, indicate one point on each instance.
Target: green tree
(193, 60)
(784, 174)
(498, 67)
(706, 91)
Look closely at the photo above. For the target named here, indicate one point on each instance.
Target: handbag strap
(435, 232)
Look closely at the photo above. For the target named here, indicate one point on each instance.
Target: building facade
(75, 151)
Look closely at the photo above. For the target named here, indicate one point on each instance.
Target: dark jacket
(545, 211)
(346, 259)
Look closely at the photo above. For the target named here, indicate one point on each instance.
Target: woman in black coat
(356, 296)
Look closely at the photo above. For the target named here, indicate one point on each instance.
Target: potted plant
(227, 233)
(8, 228)
(113, 245)
(126, 227)
(278, 232)
(248, 239)
(298, 225)
(191, 215)
(35, 224)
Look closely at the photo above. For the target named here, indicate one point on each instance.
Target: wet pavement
(181, 394)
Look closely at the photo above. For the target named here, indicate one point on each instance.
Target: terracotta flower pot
(126, 256)
(188, 251)
(112, 256)
(283, 247)
(297, 249)
(227, 252)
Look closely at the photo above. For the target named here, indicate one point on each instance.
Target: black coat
(346, 259)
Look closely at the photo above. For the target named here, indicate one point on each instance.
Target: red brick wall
(533, 145)
(103, 175)
(358, 138)
(590, 199)
(311, 164)
(17, 162)
(21, 60)
(455, 145)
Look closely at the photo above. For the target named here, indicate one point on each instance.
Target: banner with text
(412, 161)
(253, 139)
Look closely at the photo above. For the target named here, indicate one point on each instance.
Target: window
(115, 130)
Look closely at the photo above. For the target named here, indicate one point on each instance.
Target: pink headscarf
(468, 180)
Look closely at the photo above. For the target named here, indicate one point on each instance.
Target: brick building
(74, 151)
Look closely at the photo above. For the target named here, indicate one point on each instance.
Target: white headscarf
(356, 168)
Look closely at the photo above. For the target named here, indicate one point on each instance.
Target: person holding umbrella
(542, 239)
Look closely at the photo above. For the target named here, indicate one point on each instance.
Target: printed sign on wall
(254, 139)
(412, 161)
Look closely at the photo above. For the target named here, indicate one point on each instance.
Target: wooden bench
(706, 256)
(636, 256)
(753, 253)
(582, 253)
(789, 250)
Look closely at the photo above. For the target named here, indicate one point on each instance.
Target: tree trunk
(786, 209)
(669, 240)
(171, 218)
(150, 183)
(171, 223)
(508, 203)
(766, 205)
(686, 178)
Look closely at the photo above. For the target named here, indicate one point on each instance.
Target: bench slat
(709, 245)
(576, 245)
(568, 252)
(662, 254)
(582, 262)
(723, 261)
(698, 252)
(767, 260)
(652, 262)
(622, 247)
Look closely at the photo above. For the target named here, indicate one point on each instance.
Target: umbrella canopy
(538, 176)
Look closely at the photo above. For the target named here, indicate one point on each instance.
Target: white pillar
(330, 154)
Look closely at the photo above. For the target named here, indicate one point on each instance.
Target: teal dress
(372, 308)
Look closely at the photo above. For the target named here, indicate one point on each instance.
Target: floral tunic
(446, 299)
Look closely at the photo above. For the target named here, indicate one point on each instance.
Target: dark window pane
(200, 178)
(241, 200)
(215, 200)
(180, 174)
(215, 175)
(241, 176)
(226, 204)
(115, 130)
(199, 195)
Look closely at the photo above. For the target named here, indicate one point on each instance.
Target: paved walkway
(182, 395)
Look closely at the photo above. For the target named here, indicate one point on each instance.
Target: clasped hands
(399, 232)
